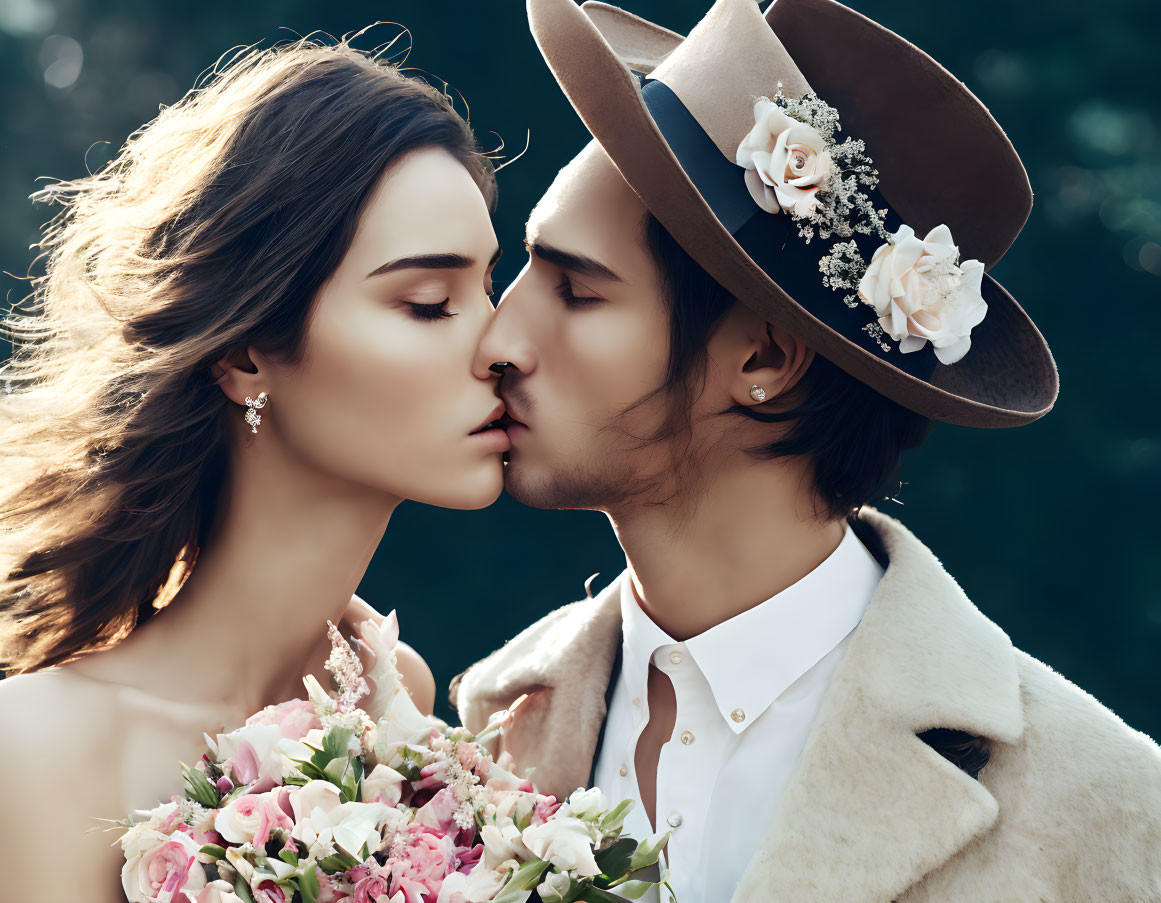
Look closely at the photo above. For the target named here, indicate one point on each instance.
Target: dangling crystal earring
(252, 405)
(758, 394)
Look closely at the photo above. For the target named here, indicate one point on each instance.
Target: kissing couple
(268, 321)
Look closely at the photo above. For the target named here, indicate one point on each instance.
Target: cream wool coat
(1068, 807)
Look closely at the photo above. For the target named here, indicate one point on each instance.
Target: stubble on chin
(573, 487)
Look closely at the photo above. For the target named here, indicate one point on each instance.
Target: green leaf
(648, 851)
(613, 821)
(242, 889)
(592, 894)
(336, 742)
(521, 882)
(355, 781)
(635, 890)
(212, 849)
(313, 772)
(290, 857)
(199, 787)
(614, 861)
(336, 770)
(339, 862)
(308, 884)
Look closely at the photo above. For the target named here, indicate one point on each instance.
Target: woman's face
(384, 396)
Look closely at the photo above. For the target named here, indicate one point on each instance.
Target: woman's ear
(758, 361)
(240, 375)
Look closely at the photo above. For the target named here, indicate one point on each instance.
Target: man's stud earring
(758, 394)
(252, 405)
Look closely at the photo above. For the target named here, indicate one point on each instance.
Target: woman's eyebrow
(447, 261)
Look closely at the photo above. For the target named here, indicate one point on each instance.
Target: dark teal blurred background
(1051, 528)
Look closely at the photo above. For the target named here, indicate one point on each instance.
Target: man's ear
(240, 375)
(751, 352)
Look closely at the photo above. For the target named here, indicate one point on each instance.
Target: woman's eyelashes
(570, 298)
(429, 312)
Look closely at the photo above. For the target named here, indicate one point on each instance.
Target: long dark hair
(213, 228)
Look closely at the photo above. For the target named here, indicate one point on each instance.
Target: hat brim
(1008, 377)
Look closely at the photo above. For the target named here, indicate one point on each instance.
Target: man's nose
(507, 341)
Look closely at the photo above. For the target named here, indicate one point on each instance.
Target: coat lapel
(562, 666)
(872, 808)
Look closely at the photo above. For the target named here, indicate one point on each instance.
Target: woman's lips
(494, 440)
(491, 433)
(493, 421)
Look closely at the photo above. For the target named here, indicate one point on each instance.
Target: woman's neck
(286, 552)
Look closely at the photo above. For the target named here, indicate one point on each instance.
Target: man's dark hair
(853, 435)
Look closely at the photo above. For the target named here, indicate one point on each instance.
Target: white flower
(321, 818)
(384, 785)
(249, 753)
(586, 804)
(922, 295)
(218, 892)
(787, 161)
(152, 818)
(502, 841)
(566, 842)
(554, 888)
(401, 723)
(480, 886)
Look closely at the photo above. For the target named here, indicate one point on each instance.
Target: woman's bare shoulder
(57, 770)
(39, 710)
(417, 676)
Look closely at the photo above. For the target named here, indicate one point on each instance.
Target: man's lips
(494, 421)
(508, 420)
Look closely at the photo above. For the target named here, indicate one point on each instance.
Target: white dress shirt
(747, 694)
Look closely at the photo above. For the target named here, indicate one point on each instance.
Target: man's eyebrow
(577, 263)
(431, 262)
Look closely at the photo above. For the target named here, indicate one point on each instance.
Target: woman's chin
(474, 490)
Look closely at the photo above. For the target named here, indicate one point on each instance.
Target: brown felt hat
(671, 111)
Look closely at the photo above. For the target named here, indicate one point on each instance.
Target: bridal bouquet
(313, 801)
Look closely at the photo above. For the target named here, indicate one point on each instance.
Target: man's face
(584, 329)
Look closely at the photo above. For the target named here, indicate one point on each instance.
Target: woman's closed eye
(437, 311)
(571, 299)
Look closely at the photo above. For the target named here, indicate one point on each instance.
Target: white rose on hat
(786, 161)
(922, 294)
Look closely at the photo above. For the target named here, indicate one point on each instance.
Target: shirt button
(674, 820)
(637, 701)
(687, 737)
(624, 770)
(675, 657)
(738, 715)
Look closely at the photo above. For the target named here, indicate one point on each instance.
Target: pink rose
(373, 886)
(293, 718)
(251, 818)
(430, 857)
(244, 764)
(165, 871)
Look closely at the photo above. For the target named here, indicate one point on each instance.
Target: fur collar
(922, 657)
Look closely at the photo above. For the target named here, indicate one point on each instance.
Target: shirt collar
(752, 658)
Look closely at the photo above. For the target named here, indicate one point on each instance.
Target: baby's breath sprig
(843, 207)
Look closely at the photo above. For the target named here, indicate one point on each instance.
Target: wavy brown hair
(213, 228)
